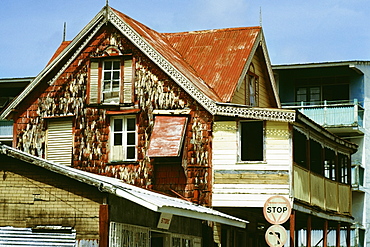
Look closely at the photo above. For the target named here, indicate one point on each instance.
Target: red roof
(62, 46)
(218, 56)
(212, 60)
(160, 43)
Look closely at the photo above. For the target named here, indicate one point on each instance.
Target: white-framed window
(111, 80)
(123, 138)
(251, 140)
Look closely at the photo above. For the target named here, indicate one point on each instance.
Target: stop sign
(277, 210)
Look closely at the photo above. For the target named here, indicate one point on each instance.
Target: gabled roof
(148, 199)
(219, 56)
(161, 50)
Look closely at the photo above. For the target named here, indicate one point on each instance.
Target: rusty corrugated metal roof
(62, 46)
(212, 59)
(160, 43)
(218, 56)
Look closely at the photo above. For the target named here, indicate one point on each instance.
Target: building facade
(335, 95)
(194, 115)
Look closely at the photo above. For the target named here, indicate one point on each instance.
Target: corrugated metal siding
(59, 143)
(167, 136)
(10, 236)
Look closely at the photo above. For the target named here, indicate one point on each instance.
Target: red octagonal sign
(277, 210)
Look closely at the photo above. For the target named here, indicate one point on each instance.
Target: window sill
(250, 162)
(122, 162)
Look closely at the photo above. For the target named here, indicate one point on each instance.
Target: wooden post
(309, 231)
(325, 234)
(348, 239)
(338, 235)
(292, 229)
(103, 225)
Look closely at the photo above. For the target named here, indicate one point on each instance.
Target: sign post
(277, 210)
(276, 236)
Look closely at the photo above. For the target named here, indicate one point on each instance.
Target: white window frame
(111, 81)
(263, 160)
(120, 152)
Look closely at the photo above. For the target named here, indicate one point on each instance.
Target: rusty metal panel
(218, 56)
(167, 136)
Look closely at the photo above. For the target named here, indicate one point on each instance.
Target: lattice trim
(189, 87)
(76, 53)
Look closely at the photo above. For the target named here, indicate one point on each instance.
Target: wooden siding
(249, 184)
(264, 84)
(321, 192)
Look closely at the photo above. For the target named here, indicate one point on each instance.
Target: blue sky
(295, 31)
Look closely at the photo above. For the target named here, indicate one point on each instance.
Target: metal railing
(331, 113)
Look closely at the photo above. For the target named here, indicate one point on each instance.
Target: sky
(295, 31)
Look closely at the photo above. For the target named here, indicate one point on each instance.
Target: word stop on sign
(277, 210)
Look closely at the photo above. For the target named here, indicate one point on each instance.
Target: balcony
(319, 191)
(341, 117)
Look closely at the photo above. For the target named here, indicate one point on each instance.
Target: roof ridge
(232, 29)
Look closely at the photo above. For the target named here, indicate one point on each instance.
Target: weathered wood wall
(249, 184)
(153, 90)
(264, 90)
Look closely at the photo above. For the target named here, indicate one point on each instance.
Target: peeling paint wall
(153, 90)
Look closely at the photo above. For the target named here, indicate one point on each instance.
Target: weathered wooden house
(195, 115)
(47, 204)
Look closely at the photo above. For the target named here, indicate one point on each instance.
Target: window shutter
(59, 141)
(127, 82)
(94, 83)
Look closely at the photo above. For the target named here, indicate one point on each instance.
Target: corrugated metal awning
(154, 201)
(167, 136)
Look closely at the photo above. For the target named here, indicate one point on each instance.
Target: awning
(167, 136)
(154, 201)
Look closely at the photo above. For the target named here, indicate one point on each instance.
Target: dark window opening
(315, 90)
(316, 163)
(252, 141)
(329, 164)
(299, 148)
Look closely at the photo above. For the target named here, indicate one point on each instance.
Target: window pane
(131, 139)
(116, 75)
(301, 94)
(115, 86)
(315, 94)
(116, 65)
(108, 65)
(117, 139)
(252, 141)
(107, 76)
(131, 124)
(106, 86)
(130, 152)
(117, 125)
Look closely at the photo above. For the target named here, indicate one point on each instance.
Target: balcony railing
(331, 113)
(321, 192)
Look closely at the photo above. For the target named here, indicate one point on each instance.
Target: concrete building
(336, 96)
